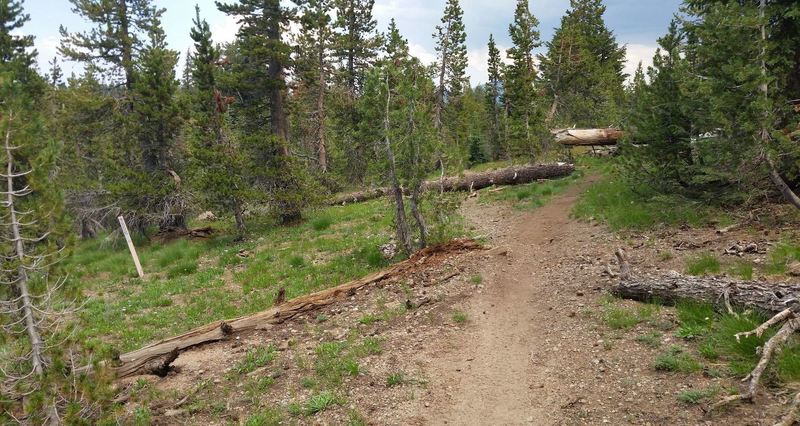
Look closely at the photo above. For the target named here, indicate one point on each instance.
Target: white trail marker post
(130, 246)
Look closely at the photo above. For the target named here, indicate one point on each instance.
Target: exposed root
(792, 416)
(624, 266)
(769, 349)
(758, 332)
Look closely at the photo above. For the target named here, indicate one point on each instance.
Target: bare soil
(533, 349)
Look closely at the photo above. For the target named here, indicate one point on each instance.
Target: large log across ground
(587, 137)
(473, 181)
(155, 358)
(673, 287)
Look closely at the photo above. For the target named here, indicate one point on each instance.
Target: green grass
(781, 256)
(704, 264)
(187, 284)
(532, 195)
(742, 270)
(476, 279)
(624, 318)
(695, 396)
(714, 333)
(651, 339)
(459, 317)
(336, 360)
(368, 319)
(616, 203)
(269, 417)
(320, 402)
(677, 360)
(255, 359)
(395, 379)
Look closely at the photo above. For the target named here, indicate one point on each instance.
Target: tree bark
(767, 297)
(322, 150)
(278, 120)
(587, 137)
(509, 176)
(423, 227)
(151, 358)
(401, 227)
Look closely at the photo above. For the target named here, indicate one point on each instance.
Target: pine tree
(660, 120)
(121, 28)
(494, 89)
(15, 47)
(520, 89)
(316, 40)
(451, 65)
(56, 74)
(398, 94)
(31, 300)
(582, 69)
(218, 167)
(150, 191)
(357, 42)
(259, 60)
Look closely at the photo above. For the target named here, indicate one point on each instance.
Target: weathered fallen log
(472, 181)
(587, 137)
(779, 299)
(674, 287)
(155, 358)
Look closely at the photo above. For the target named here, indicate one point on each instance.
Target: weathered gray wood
(673, 287)
(587, 137)
(515, 175)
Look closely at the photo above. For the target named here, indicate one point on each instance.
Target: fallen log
(587, 137)
(778, 299)
(472, 181)
(673, 287)
(155, 358)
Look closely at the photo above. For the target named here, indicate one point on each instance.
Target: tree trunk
(774, 175)
(587, 137)
(767, 297)
(278, 120)
(423, 227)
(474, 181)
(238, 215)
(322, 151)
(401, 227)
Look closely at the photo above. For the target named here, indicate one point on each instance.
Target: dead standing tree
(30, 314)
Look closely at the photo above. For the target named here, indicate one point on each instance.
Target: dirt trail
(499, 370)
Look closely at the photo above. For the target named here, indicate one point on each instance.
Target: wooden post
(130, 246)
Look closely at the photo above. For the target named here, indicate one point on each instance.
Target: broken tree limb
(587, 137)
(509, 176)
(154, 358)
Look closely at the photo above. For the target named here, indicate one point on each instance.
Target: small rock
(794, 269)
(206, 216)
(498, 251)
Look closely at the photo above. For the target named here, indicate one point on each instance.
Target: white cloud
(224, 29)
(478, 63)
(426, 56)
(637, 53)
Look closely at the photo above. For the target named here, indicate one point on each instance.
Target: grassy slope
(713, 351)
(190, 283)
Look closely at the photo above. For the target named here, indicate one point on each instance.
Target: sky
(636, 24)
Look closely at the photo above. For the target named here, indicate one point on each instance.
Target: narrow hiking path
(505, 369)
(537, 351)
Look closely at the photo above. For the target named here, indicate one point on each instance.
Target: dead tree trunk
(401, 227)
(24, 299)
(587, 137)
(517, 175)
